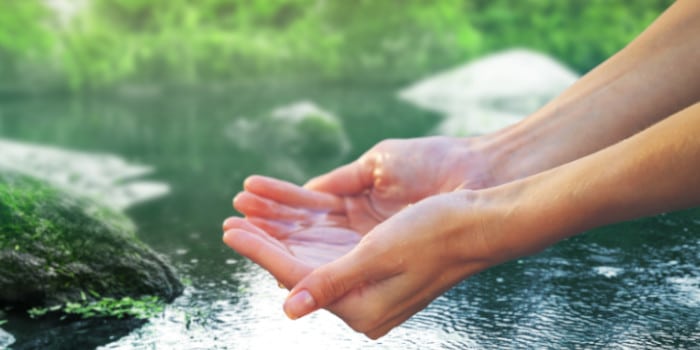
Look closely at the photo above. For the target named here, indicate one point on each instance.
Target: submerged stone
(56, 247)
(290, 138)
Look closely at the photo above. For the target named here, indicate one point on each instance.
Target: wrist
(517, 219)
(550, 137)
(509, 154)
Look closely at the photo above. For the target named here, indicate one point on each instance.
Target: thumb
(328, 283)
(349, 179)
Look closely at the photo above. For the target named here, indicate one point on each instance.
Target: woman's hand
(360, 195)
(396, 173)
(394, 271)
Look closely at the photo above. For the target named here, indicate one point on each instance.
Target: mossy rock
(56, 247)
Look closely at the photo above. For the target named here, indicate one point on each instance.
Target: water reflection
(647, 294)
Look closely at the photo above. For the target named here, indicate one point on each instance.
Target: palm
(398, 173)
(314, 227)
(305, 227)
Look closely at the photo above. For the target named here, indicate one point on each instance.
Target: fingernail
(299, 304)
(228, 222)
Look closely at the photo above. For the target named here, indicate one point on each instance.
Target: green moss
(321, 136)
(56, 247)
(33, 212)
(141, 308)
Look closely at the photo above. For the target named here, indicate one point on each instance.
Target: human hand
(360, 195)
(308, 227)
(380, 282)
(396, 173)
(314, 227)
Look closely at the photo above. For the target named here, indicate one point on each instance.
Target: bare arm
(653, 77)
(655, 171)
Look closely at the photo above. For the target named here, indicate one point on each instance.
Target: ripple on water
(579, 294)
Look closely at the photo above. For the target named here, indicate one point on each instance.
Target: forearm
(654, 171)
(652, 78)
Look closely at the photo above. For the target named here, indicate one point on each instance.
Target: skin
(619, 144)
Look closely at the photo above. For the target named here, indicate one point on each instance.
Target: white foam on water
(608, 271)
(6, 339)
(106, 178)
(687, 289)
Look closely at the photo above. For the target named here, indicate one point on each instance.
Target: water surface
(632, 285)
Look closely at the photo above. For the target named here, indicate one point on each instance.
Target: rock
(316, 131)
(492, 92)
(56, 247)
(103, 177)
(289, 135)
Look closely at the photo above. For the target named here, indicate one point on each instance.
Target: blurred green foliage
(143, 42)
(26, 41)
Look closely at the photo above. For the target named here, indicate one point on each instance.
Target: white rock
(104, 177)
(492, 92)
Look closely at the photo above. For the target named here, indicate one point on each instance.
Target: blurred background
(97, 45)
(160, 109)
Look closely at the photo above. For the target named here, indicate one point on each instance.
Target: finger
(318, 254)
(350, 179)
(279, 262)
(332, 281)
(277, 229)
(237, 222)
(243, 224)
(330, 228)
(292, 195)
(251, 204)
(322, 234)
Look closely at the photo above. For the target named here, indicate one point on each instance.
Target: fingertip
(312, 183)
(250, 180)
(234, 222)
(257, 183)
(231, 237)
(299, 304)
(237, 198)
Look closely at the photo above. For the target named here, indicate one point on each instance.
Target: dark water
(632, 285)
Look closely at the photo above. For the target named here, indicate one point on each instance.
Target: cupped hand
(351, 200)
(301, 233)
(394, 271)
(311, 228)
(398, 172)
